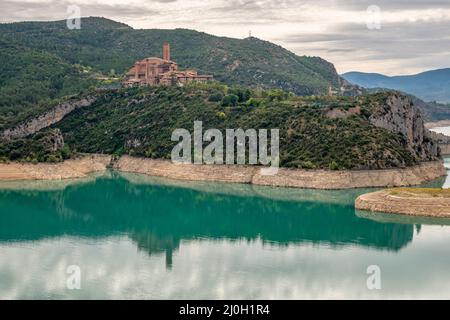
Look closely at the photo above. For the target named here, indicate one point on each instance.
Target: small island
(426, 202)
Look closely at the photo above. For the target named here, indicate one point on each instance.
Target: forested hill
(31, 80)
(107, 46)
(369, 132)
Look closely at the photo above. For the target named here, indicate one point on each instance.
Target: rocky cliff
(46, 119)
(398, 114)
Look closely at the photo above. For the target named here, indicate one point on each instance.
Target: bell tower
(166, 51)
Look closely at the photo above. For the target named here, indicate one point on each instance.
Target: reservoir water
(129, 236)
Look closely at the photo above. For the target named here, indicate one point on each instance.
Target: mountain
(50, 105)
(47, 60)
(429, 86)
(382, 130)
(432, 111)
(108, 46)
(30, 79)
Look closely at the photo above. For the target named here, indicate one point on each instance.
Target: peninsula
(426, 202)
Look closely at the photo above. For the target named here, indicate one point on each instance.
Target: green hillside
(30, 79)
(108, 46)
(268, 87)
(140, 121)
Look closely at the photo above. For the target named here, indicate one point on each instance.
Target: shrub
(333, 165)
(253, 103)
(216, 97)
(221, 115)
(230, 100)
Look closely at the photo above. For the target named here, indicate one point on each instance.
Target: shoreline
(407, 202)
(80, 167)
(437, 124)
(293, 178)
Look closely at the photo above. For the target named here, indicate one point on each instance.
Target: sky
(393, 37)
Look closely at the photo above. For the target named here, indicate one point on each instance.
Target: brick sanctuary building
(156, 71)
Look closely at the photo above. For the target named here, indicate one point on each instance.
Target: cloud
(48, 10)
(397, 48)
(411, 31)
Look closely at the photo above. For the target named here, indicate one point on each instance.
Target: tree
(230, 100)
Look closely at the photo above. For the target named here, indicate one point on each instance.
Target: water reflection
(158, 217)
(140, 237)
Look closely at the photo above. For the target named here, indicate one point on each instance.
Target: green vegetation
(44, 146)
(260, 87)
(31, 81)
(47, 61)
(140, 122)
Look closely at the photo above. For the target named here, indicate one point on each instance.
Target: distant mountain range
(429, 86)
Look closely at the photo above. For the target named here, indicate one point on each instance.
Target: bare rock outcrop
(53, 140)
(46, 119)
(398, 114)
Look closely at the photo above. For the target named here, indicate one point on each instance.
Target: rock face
(46, 120)
(398, 114)
(53, 141)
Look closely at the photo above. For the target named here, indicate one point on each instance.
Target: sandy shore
(407, 201)
(437, 124)
(70, 169)
(296, 178)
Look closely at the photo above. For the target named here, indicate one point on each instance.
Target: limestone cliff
(398, 114)
(46, 119)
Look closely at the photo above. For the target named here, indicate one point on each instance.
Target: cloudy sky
(386, 36)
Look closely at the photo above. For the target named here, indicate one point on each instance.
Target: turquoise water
(136, 237)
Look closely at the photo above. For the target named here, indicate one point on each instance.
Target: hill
(332, 133)
(431, 111)
(108, 46)
(46, 60)
(429, 86)
(382, 130)
(30, 79)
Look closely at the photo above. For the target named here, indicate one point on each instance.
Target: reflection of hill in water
(48, 185)
(235, 189)
(158, 217)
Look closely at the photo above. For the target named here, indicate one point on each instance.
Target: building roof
(157, 59)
